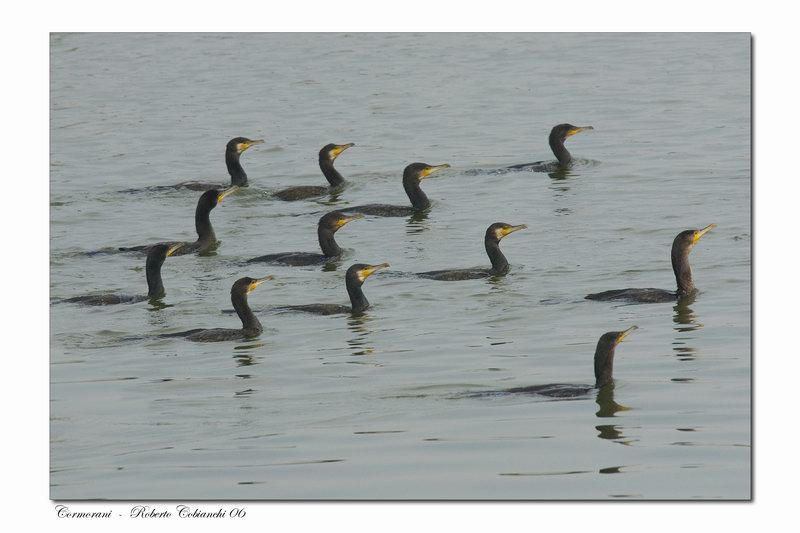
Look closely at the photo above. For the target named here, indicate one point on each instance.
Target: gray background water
(339, 407)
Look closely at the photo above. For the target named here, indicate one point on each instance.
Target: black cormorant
(412, 176)
(155, 286)
(327, 155)
(233, 150)
(206, 239)
(681, 247)
(354, 278)
(500, 267)
(251, 327)
(603, 370)
(558, 135)
(328, 225)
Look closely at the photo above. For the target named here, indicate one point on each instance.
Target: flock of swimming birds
(330, 223)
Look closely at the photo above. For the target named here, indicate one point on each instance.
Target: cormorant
(354, 278)
(251, 327)
(206, 239)
(603, 370)
(328, 225)
(327, 155)
(681, 247)
(155, 286)
(233, 150)
(412, 176)
(558, 135)
(500, 267)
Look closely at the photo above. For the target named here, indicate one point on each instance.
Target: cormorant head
(160, 252)
(687, 239)
(359, 272)
(612, 338)
(330, 152)
(420, 171)
(245, 286)
(604, 355)
(214, 196)
(498, 230)
(336, 219)
(240, 144)
(562, 131)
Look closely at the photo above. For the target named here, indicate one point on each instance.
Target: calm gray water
(372, 407)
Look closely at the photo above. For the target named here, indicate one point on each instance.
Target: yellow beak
(257, 282)
(175, 247)
(626, 333)
(573, 131)
(344, 220)
(430, 170)
(341, 148)
(700, 233)
(364, 273)
(512, 229)
(244, 146)
(226, 192)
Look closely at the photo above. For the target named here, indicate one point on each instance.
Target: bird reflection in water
(243, 353)
(359, 344)
(417, 223)
(560, 186)
(609, 409)
(685, 318)
(685, 321)
(331, 266)
(332, 199)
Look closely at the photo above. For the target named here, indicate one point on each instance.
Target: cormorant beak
(241, 147)
(226, 192)
(427, 171)
(366, 272)
(511, 229)
(172, 249)
(344, 220)
(625, 333)
(698, 234)
(573, 131)
(255, 283)
(339, 149)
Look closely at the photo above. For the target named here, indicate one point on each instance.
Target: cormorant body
(558, 135)
(206, 238)
(251, 327)
(328, 225)
(412, 176)
(681, 246)
(603, 371)
(354, 279)
(155, 285)
(500, 267)
(327, 155)
(233, 150)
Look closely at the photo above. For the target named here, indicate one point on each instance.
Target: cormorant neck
(249, 320)
(238, 175)
(202, 223)
(560, 151)
(683, 272)
(604, 363)
(499, 262)
(155, 286)
(357, 298)
(327, 242)
(331, 174)
(418, 198)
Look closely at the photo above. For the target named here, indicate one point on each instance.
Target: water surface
(373, 406)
